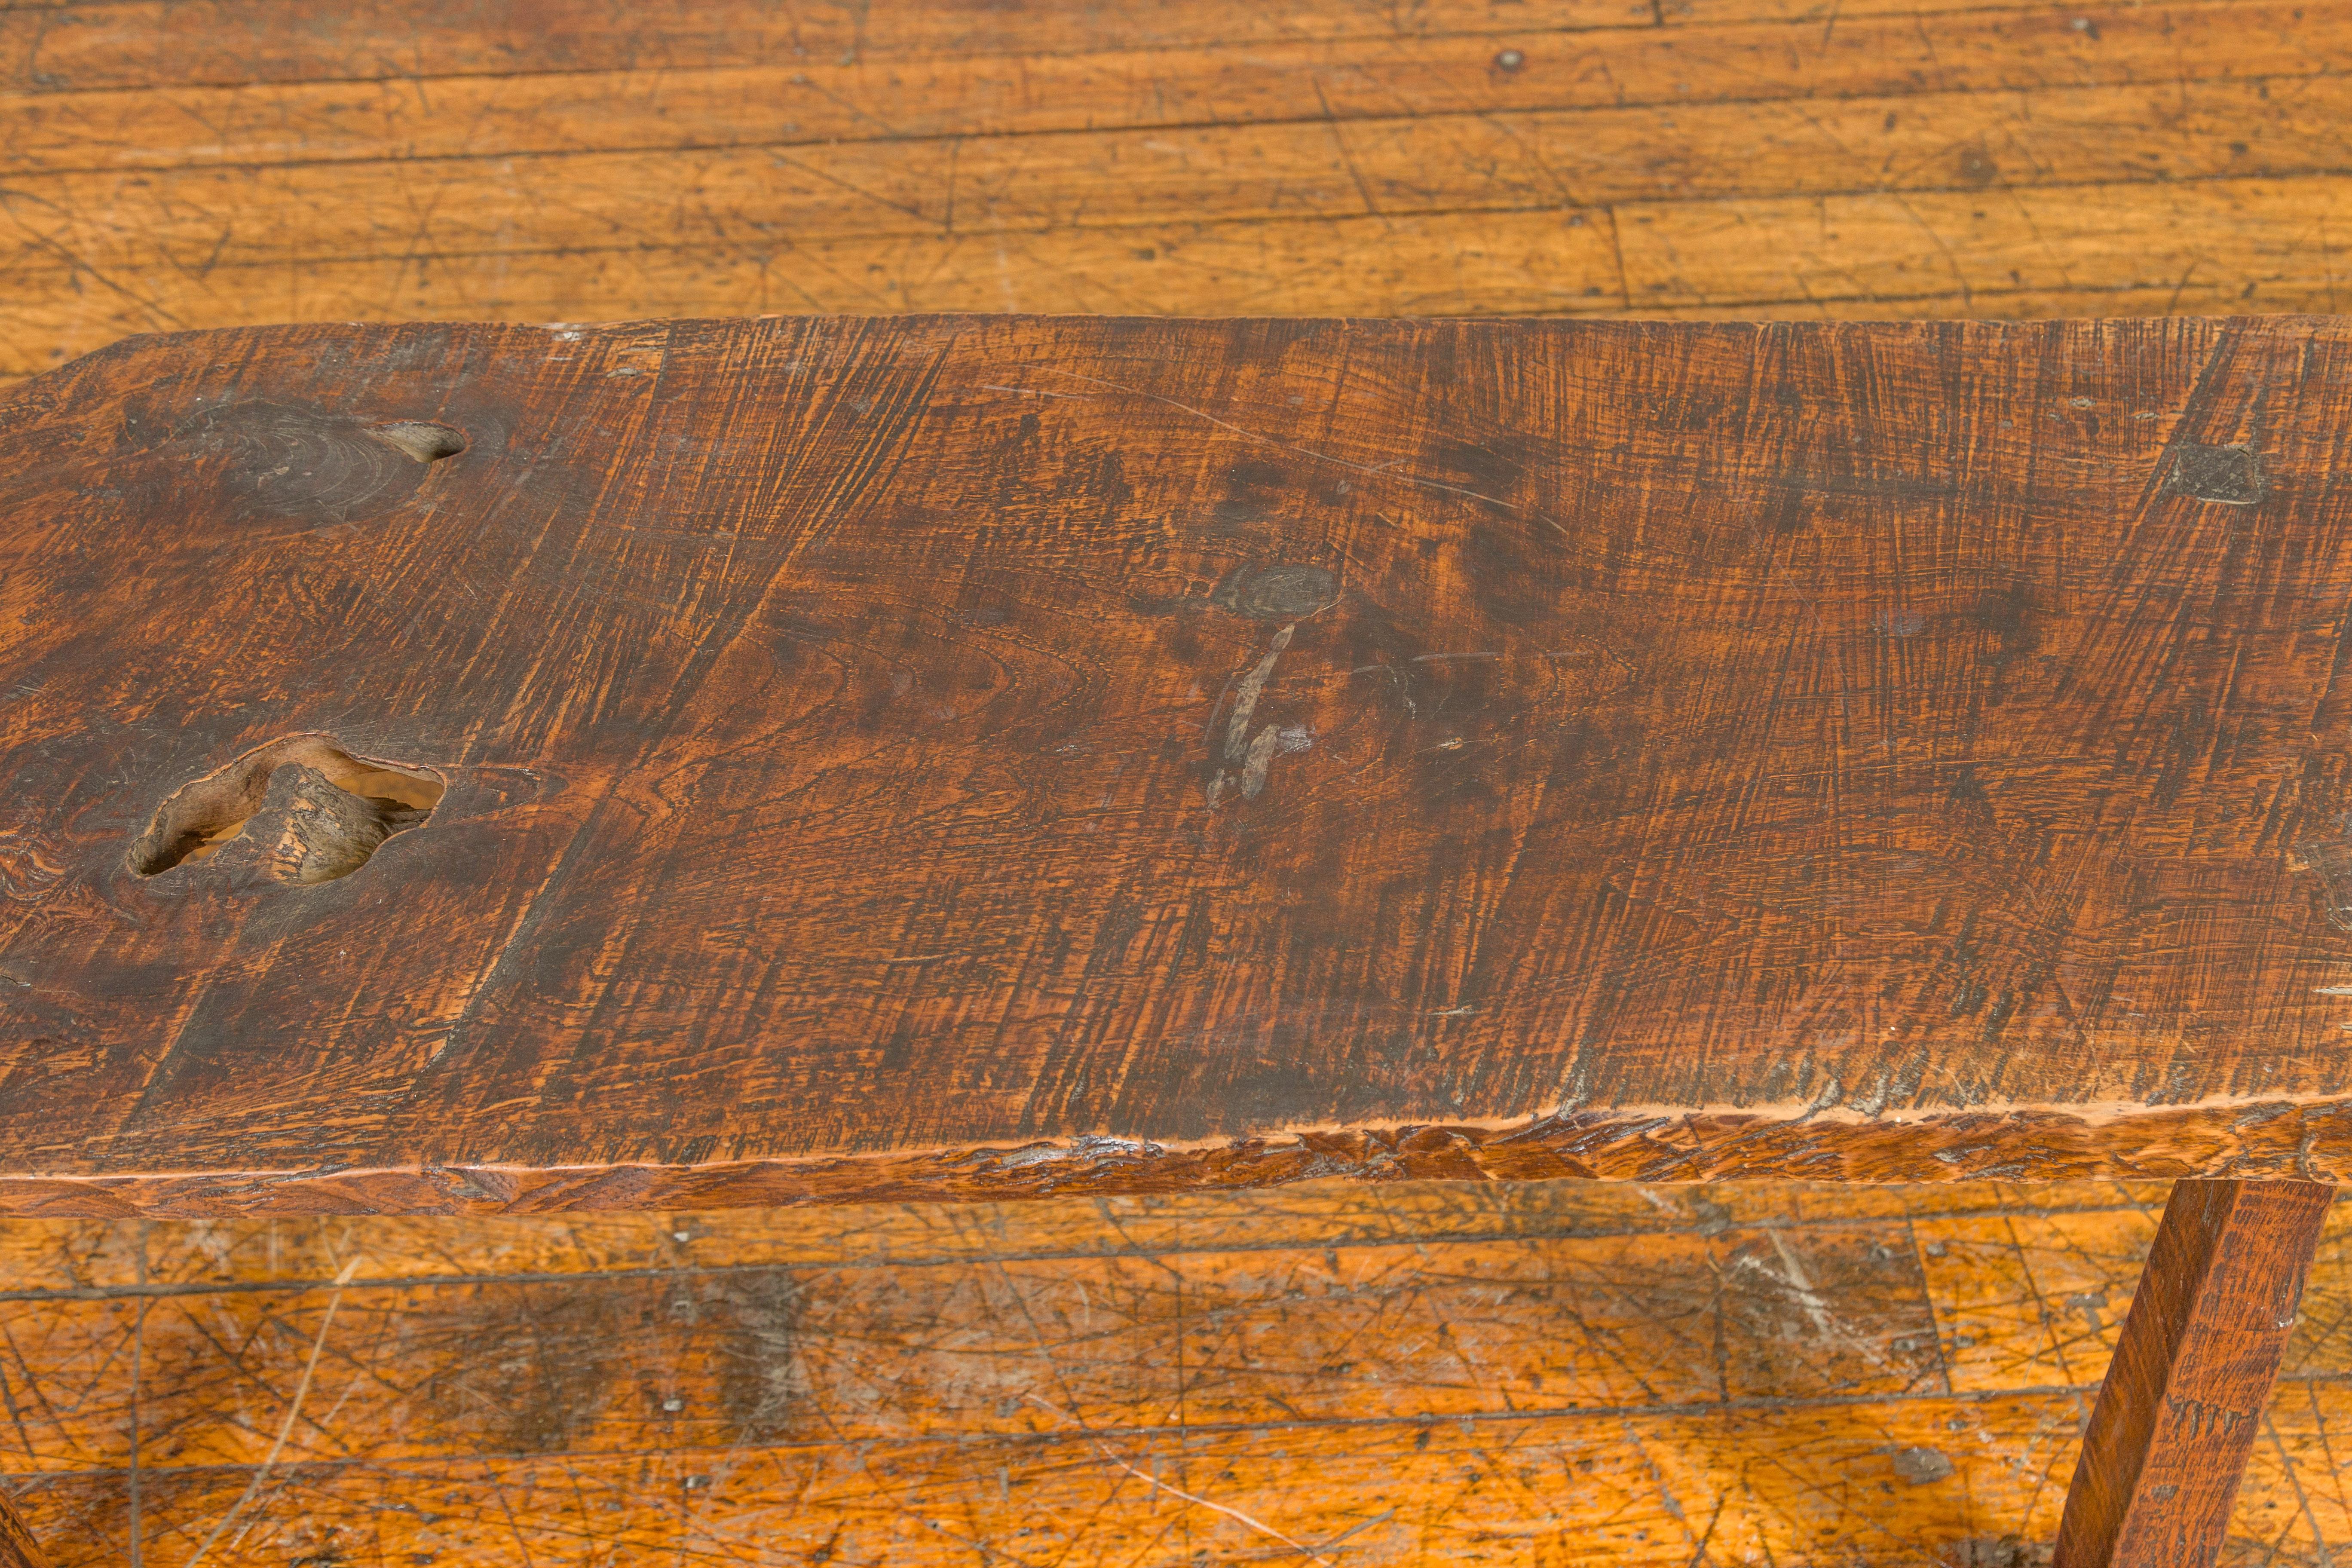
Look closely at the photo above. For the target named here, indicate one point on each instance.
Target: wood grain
(2028, 1291)
(18, 1547)
(138, 43)
(164, 167)
(1906, 750)
(2192, 1373)
(127, 225)
(143, 44)
(1527, 1373)
(1291, 106)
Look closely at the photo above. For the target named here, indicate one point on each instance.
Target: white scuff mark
(1809, 1301)
(1084, 1150)
(1033, 392)
(1256, 760)
(1801, 1283)
(1255, 753)
(293, 1412)
(1246, 695)
(1036, 1155)
(1157, 1485)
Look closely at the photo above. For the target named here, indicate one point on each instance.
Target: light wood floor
(1553, 1374)
(168, 164)
(1443, 1372)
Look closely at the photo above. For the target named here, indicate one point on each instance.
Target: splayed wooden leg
(18, 1547)
(2192, 1374)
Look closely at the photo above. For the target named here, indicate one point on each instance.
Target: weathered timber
(2192, 1377)
(822, 759)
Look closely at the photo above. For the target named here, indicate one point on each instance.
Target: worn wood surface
(1995, 162)
(171, 164)
(1529, 1373)
(2181, 1404)
(817, 759)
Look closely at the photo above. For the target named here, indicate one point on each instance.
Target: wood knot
(299, 810)
(310, 464)
(1283, 590)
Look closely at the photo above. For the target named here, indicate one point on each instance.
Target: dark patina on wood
(810, 759)
(2192, 1373)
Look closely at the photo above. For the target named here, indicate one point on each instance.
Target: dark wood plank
(2192, 1377)
(1182, 752)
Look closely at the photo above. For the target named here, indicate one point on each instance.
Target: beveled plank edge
(2310, 1141)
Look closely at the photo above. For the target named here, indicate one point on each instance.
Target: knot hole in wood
(300, 809)
(286, 460)
(421, 440)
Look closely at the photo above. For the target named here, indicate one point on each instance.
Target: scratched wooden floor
(1551, 1374)
(1554, 1373)
(197, 163)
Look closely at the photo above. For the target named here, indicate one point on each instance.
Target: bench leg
(2192, 1374)
(18, 1547)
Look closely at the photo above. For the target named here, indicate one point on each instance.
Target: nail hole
(301, 810)
(425, 442)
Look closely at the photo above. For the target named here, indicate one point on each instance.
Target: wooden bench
(475, 769)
